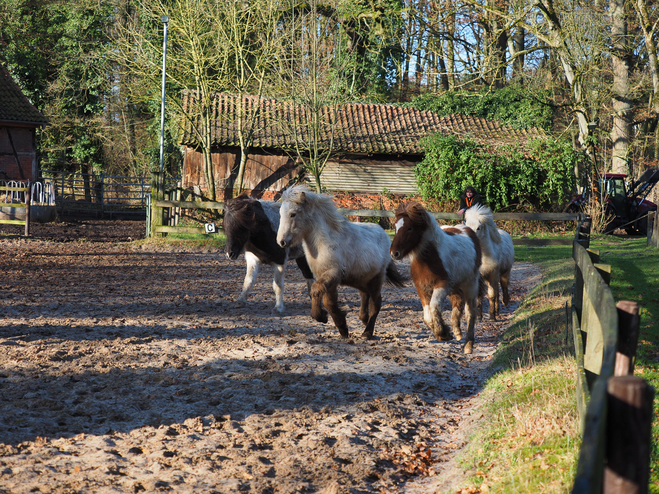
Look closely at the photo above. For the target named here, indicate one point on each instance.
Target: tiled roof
(14, 106)
(360, 128)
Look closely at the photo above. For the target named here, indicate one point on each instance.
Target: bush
(539, 175)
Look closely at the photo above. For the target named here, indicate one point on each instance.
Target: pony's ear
(303, 197)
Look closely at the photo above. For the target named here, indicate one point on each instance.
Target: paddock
(126, 367)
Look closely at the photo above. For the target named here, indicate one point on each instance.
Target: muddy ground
(125, 368)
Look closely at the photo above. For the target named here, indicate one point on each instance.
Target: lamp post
(165, 20)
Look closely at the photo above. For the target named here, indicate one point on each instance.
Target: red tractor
(626, 208)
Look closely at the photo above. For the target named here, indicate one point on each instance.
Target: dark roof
(360, 127)
(14, 106)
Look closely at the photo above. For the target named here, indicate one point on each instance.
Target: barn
(375, 147)
(19, 120)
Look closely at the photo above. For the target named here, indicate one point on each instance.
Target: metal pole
(165, 20)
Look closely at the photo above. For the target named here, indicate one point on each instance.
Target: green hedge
(538, 174)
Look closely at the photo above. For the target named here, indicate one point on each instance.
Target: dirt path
(127, 369)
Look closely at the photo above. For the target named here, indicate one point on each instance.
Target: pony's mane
(415, 212)
(483, 215)
(320, 203)
(239, 208)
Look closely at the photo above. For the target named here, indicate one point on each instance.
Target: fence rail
(165, 206)
(14, 197)
(615, 407)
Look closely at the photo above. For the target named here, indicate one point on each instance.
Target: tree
(306, 67)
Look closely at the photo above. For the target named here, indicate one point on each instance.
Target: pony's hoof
(367, 335)
(321, 317)
(469, 348)
(443, 335)
(345, 334)
(457, 334)
(277, 311)
(239, 304)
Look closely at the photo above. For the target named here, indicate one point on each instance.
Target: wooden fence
(166, 205)
(615, 407)
(653, 229)
(16, 198)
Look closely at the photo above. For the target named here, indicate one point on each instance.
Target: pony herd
(459, 262)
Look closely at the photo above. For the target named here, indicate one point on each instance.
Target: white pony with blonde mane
(498, 256)
(339, 253)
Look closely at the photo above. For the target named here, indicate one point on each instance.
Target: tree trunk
(653, 63)
(622, 101)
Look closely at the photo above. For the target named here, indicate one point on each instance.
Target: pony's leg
(331, 301)
(364, 306)
(278, 286)
(433, 314)
(482, 293)
(493, 295)
(318, 313)
(471, 322)
(253, 264)
(504, 279)
(458, 305)
(374, 305)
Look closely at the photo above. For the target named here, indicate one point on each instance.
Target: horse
(250, 226)
(498, 256)
(339, 252)
(444, 261)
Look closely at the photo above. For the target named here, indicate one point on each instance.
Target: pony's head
(240, 218)
(411, 222)
(480, 219)
(302, 211)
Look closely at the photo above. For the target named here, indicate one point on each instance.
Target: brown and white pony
(498, 256)
(339, 253)
(443, 262)
(250, 226)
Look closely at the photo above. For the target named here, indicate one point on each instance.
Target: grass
(207, 242)
(530, 440)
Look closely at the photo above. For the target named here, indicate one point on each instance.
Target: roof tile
(360, 127)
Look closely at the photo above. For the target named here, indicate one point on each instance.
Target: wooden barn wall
(18, 155)
(369, 175)
(274, 172)
(263, 171)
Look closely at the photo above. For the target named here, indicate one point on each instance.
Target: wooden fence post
(157, 194)
(628, 328)
(629, 421)
(653, 229)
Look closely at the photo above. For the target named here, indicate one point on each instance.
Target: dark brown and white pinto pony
(443, 262)
(250, 226)
(339, 253)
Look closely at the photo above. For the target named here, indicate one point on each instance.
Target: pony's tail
(394, 277)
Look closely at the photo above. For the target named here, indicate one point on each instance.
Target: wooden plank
(583, 393)
(189, 204)
(13, 189)
(628, 436)
(186, 229)
(12, 222)
(600, 320)
(537, 216)
(590, 466)
(542, 242)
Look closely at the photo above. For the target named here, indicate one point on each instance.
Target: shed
(375, 146)
(19, 120)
